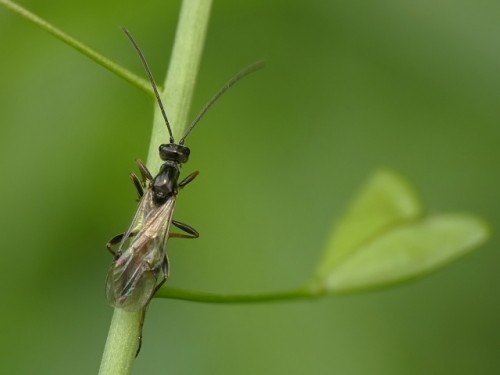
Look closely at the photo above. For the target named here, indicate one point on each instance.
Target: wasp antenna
(249, 69)
(151, 79)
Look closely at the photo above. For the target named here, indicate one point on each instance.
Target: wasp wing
(142, 261)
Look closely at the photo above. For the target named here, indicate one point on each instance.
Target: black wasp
(141, 265)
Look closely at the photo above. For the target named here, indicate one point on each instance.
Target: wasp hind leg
(189, 231)
(141, 325)
(165, 273)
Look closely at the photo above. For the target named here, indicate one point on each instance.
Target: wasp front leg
(137, 185)
(145, 173)
(146, 176)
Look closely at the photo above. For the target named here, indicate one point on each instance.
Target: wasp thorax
(164, 185)
(174, 152)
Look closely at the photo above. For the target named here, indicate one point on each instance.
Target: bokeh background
(348, 87)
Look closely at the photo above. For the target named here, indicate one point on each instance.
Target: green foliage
(386, 238)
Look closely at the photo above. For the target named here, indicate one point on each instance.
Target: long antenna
(249, 69)
(151, 79)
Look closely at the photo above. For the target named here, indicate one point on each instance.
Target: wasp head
(174, 152)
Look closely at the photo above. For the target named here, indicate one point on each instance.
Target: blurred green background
(348, 87)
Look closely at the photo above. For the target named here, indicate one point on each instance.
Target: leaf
(384, 238)
(385, 201)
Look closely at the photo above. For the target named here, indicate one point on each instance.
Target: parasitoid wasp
(140, 266)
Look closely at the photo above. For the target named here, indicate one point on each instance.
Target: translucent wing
(142, 261)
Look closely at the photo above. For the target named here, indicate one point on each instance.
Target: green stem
(186, 295)
(181, 76)
(179, 84)
(137, 81)
(121, 344)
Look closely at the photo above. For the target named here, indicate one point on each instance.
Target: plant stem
(185, 295)
(181, 75)
(179, 86)
(137, 81)
(121, 344)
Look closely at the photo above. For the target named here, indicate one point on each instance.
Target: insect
(140, 266)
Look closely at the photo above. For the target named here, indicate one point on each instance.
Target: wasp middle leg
(116, 240)
(189, 231)
(188, 179)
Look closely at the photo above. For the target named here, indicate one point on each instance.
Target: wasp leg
(165, 272)
(115, 241)
(141, 325)
(140, 185)
(165, 269)
(190, 232)
(137, 184)
(188, 179)
(145, 174)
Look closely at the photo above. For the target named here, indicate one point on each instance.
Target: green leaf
(385, 238)
(385, 201)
